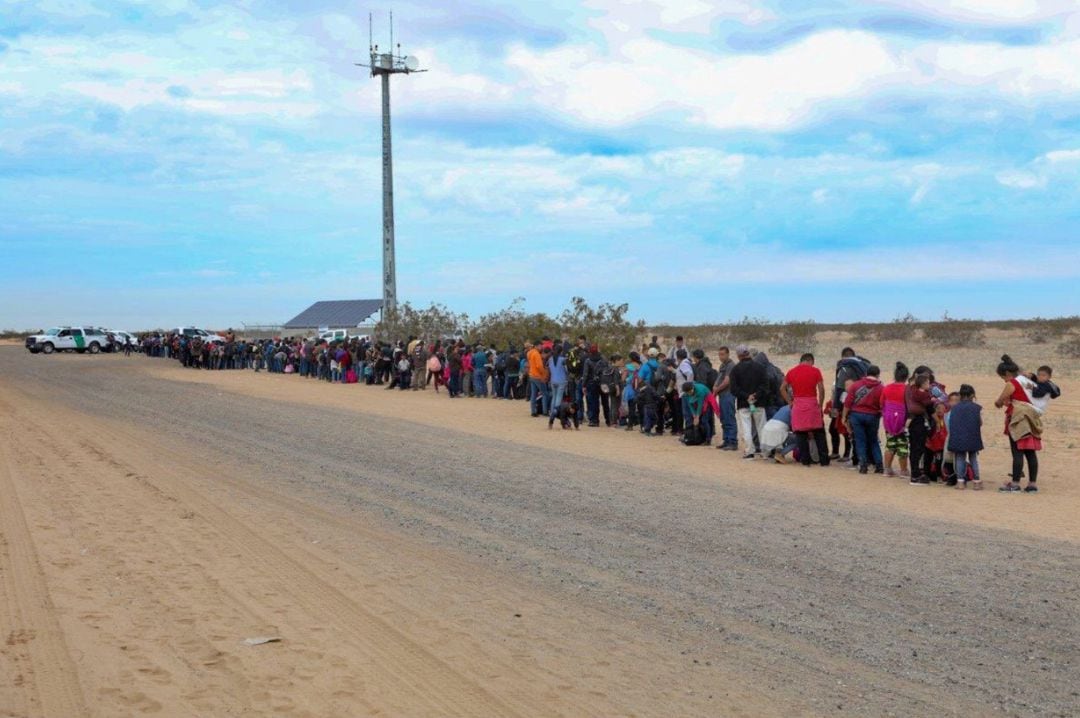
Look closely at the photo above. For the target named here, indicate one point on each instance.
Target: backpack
(609, 378)
(574, 362)
(661, 377)
(500, 362)
(894, 417)
(694, 435)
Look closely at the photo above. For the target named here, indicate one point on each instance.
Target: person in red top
(920, 411)
(1026, 447)
(862, 414)
(804, 390)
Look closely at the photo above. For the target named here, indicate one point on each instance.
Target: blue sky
(186, 161)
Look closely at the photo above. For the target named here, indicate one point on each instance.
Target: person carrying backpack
(894, 420)
(851, 367)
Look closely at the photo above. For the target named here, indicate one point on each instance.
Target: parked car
(191, 332)
(78, 339)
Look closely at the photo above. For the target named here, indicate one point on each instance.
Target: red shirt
(897, 391)
(804, 380)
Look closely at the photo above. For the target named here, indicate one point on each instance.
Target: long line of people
(931, 435)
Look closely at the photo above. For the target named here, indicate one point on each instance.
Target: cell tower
(385, 64)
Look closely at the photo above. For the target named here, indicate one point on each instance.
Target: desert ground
(417, 556)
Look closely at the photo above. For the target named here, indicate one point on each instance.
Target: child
(648, 400)
(567, 414)
(404, 370)
(894, 420)
(935, 444)
(965, 437)
(1044, 389)
(836, 430)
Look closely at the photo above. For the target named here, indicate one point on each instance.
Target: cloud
(1058, 156)
(1019, 179)
(645, 77)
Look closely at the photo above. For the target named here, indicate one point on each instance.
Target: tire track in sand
(47, 681)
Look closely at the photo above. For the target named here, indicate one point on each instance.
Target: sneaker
(918, 481)
(879, 470)
(1031, 489)
(863, 470)
(1010, 488)
(748, 457)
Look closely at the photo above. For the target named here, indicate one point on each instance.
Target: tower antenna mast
(383, 65)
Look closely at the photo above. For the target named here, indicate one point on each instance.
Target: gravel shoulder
(448, 571)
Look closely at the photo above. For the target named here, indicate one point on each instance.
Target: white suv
(191, 332)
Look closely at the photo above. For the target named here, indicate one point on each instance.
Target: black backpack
(609, 377)
(694, 435)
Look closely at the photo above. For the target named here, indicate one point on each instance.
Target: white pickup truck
(58, 339)
(192, 332)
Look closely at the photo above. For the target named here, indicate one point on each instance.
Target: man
(538, 380)
(594, 368)
(771, 401)
(680, 345)
(684, 372)
(749, 379)
(704, 374)
(480, 372)
(851, 366)
(419, 353)
(804, 391)
(575, 368)
(726, 399)
(699, 399)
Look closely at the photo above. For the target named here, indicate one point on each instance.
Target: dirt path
(412, 572)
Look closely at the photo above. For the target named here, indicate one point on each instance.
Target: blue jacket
(965, 427)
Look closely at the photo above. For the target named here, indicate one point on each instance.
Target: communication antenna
(383, 65)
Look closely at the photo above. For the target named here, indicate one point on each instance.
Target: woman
(1022, 425)
(920, 410)
(804, 390)
(559, 377)
(453, 360)
(862, 415)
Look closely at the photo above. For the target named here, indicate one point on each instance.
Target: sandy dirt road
(421, 557)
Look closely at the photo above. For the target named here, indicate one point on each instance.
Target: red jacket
(864, 396)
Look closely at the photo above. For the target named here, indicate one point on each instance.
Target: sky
(167, 162)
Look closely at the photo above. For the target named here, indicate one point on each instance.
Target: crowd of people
(742, 403)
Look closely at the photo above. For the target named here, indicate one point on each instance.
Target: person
(804, 391)
(557, 377)
(862, 414)
(836, 430)
(480, 371)
(419, 354)
(728, 426)
(684, 372)
(771, 399)
(566, 414)
(777, 440)
(894, 420)
(748, 380)
(630, 386)
(1044, 390)
(1023, 426)
(648, 401)
(611, 389)
(851, 367)
(575, 366)
(538, 381)
(965, 438)
(590, 377)
(702, 405)
(454, 364)
(919, 403)
(680, 345)
(512, 372)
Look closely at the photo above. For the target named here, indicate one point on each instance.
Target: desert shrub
(605, 325)
(435, 322)
(1070, 347)
(1041, 331)
(749, 329)
(794, 337)
(861, 331)
(951, 332)
(901, 329)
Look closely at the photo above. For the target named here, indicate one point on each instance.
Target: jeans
(480, 382)
(558, 390)
(867, 447)
(455, 383)
(592, 393)
(539, 390)
(964, 459)
(579, 394)
(648, 418)
(707, 421)
(748, 422)
(729, 428)
(508, 386)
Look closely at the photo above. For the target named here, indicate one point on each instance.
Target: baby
(1044, 390)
